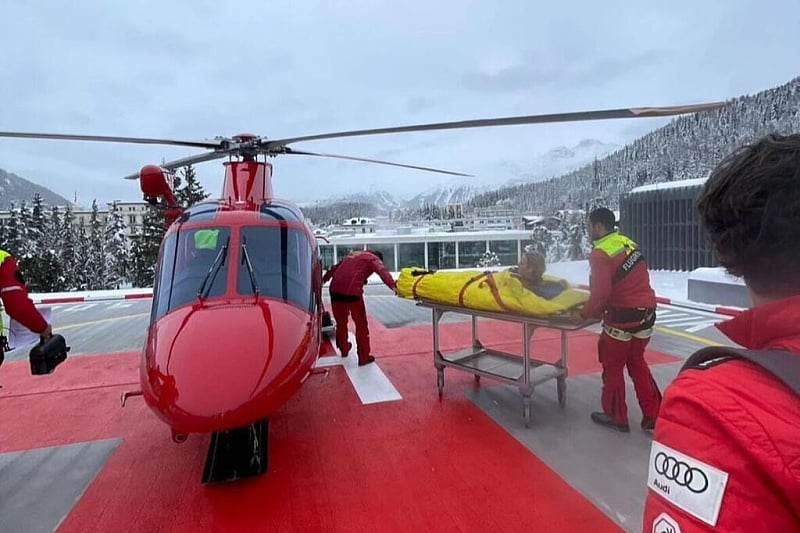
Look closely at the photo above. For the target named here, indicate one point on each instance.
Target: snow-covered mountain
(558, 161)
(446, 194)
(555, 162)
(16, 189)
(382, 201)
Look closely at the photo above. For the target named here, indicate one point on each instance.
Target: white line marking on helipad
(370, 383)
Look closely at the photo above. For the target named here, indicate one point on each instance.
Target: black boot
(605, 420)
(368, 360)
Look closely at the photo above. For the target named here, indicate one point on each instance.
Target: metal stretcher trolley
(523, 371)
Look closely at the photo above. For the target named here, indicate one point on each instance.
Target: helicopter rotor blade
(364, 160)
(178, 163)
(105, 138)
(636, 112)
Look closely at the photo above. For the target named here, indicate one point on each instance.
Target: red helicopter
(236, 321)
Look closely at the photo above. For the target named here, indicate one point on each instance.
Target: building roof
(669, 185)
(391, 237)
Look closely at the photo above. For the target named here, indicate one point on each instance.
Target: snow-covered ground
(667, 284)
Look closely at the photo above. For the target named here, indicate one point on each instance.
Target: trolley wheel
(440, 380)
(561, 386)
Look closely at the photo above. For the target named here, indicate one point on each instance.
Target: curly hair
(750, 211)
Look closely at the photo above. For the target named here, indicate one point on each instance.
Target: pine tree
(37, 219)
(81, 269)
(52, 247)
(34, 261)
(542, 240)
(95, 257)
(13, 231)
(117, 250)
(24, 241)
(69, 251)
(488, 259)
(145, 246)
(188, 190)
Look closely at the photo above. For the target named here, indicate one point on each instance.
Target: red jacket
(14, 294)
(351, 273)
(632, 291)
(739, 427)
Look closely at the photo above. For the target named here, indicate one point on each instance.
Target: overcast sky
(200, 68)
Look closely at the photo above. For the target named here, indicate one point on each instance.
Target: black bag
(782, 364)
(47, 355)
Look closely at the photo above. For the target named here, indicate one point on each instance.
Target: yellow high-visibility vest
(614, 243)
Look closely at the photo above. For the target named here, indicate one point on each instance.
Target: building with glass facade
(662, 219)
(431, 250)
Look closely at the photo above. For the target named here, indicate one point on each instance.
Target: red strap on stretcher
(492, 288)
(467, 284)
(416, 281)
(495, 292)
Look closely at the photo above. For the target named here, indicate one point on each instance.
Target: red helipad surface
(417, 464)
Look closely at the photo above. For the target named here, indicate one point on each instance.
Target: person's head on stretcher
(531, 266)
(530, 271)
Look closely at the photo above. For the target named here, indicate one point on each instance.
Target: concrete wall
(718, 293)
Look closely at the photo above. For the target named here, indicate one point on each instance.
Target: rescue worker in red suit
(620, 294)
(726, 447)
(16, 303)
(347, 298)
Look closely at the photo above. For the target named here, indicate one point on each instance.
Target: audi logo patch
(692, 485)
(681, 473)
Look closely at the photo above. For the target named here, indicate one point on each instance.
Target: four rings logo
(681, 473)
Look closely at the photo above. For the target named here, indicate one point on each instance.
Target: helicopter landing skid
(237, 453)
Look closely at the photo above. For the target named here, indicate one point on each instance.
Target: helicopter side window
(163, 276)
(281, 261)
(198, 258)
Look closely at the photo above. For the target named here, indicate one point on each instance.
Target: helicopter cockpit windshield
(276, 262)
(273, 262)
(194, 261)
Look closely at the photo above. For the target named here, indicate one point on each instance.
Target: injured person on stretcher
(524, 289)
(530, 272)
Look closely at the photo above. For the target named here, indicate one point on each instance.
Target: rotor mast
(248, 182)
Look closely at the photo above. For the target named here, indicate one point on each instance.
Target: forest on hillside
(688, 147)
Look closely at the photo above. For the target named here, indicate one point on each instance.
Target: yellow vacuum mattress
(489, 291)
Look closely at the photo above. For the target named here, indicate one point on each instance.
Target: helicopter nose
(220, 367)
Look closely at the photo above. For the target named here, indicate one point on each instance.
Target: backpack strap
(784, 365)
